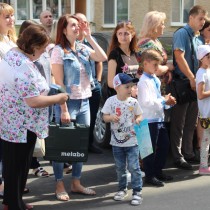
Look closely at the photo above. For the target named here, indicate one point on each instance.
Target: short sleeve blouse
(21, 79)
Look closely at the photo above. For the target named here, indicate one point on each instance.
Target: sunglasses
(127, 22)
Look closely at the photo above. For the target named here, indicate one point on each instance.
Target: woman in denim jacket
(71, 69)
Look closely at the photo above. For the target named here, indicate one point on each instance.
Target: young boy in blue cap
(123, 111)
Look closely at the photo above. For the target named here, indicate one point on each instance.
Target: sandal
(85, 191)
(29, 207)
(40, 172)
(25, 191)
(62, 196)
(67, 170)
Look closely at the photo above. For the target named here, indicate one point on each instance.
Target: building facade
(105, 14)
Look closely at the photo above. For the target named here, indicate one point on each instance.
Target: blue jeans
(154, 163)
(80, 111)
(127, 158)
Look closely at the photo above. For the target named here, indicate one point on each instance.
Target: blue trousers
(154, 163)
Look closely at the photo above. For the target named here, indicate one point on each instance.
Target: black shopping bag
(67, 144)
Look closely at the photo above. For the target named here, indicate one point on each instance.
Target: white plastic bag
(39, 149)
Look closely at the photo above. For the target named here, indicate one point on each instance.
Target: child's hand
(170, 100)
(138, 120)
(114, 118)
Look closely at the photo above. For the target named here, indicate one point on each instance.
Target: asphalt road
(188, 191)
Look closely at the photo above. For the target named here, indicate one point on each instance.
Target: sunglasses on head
(127, 22)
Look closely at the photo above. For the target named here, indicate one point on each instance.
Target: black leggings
(16, 159)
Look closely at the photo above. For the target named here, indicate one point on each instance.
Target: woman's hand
(62, 98)
(170, 66)
(65, 117)
(85, 27)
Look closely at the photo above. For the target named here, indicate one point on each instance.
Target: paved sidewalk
(188, 191)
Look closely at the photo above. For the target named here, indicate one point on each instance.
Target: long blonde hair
(150, 23)
(7, 9)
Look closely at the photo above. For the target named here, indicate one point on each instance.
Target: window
(22, 10)
(31, 9)
(180, 10)
(114, 11)
(5, 1)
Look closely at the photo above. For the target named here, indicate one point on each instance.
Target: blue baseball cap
(122, 78)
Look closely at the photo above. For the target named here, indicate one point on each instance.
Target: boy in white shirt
(123, 111)
(153, 105)
(203, 94)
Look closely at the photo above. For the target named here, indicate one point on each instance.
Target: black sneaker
(164, 177)
(154, 181)
(193, 160)
(182, 164)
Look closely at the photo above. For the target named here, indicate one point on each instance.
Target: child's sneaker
(204, 171)
(136, 199)
(120, 195)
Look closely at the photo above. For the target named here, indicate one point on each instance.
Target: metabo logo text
(72, 154)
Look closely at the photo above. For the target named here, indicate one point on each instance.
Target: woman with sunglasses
(121, 53)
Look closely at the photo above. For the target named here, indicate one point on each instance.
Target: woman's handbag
(67, 143)
(182, 91)
(39, 149)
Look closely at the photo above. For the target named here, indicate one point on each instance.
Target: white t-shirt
(123, 134)
(203, 75)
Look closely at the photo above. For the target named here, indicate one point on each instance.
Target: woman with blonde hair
(152, 27)
(7, 29)
(7, 41)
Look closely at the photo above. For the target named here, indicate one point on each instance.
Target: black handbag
(67, 143)
(181, 90)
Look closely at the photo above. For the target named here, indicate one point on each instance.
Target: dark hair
(34, 36)
(62, 24)
(206, 25)
(114, 41)
(25, 24)
(196, 10)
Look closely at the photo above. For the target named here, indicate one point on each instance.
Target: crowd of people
(143, 85)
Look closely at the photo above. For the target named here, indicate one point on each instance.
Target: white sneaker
(142, 174)
(119, 196)
(136, 199)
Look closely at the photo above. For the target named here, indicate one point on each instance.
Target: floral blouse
(21, 79)
(150, 44)
(156, 45)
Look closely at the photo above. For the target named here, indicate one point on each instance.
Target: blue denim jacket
(72, 62)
